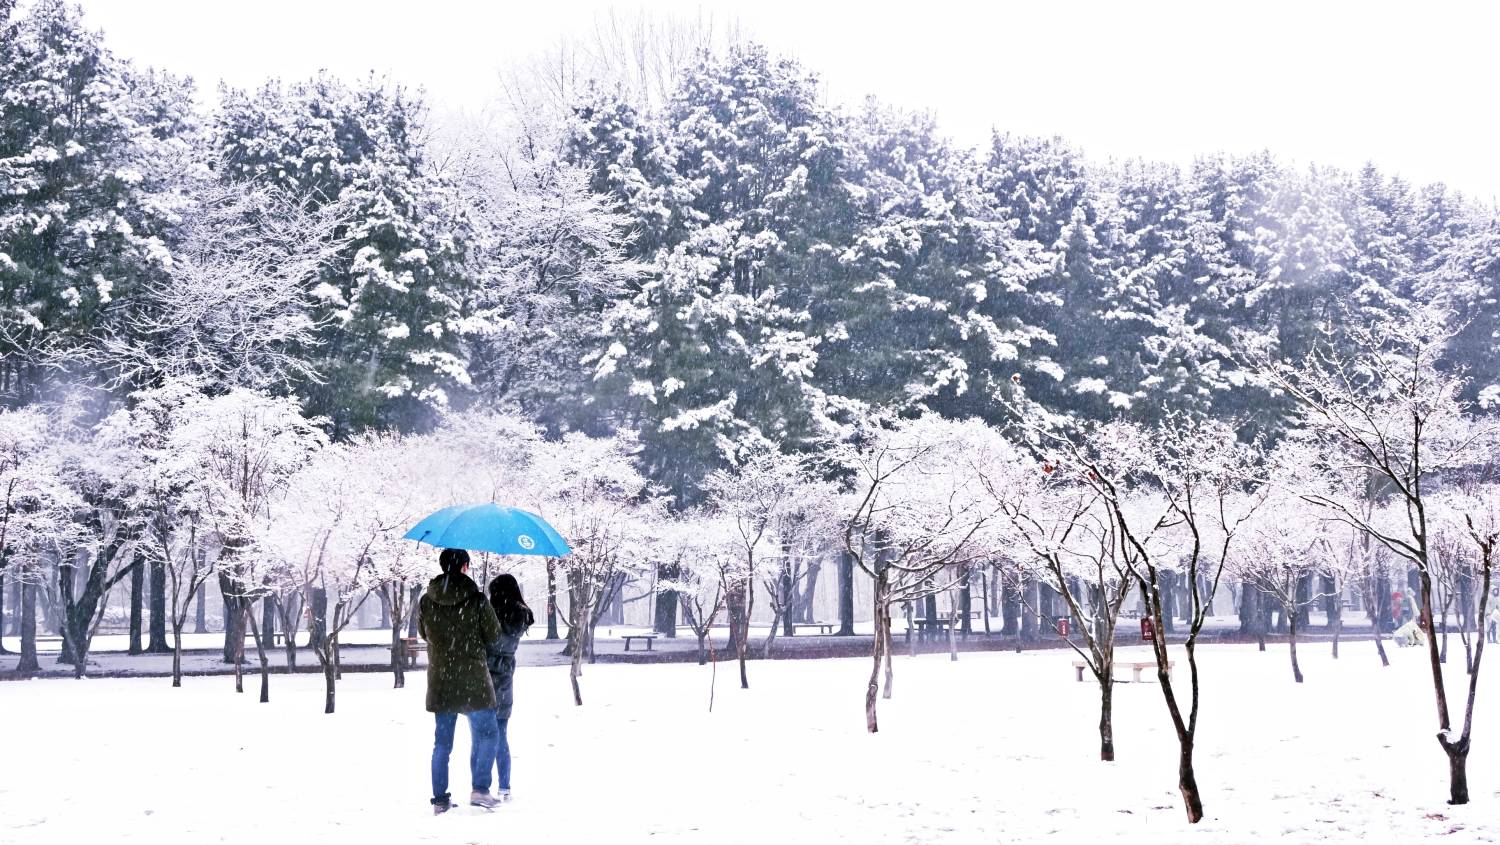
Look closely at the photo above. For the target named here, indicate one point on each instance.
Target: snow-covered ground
(995, 748)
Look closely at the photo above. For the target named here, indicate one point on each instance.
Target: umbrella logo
(525, 542)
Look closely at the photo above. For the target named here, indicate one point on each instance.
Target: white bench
(1136, 668)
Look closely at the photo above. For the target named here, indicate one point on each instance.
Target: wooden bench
(277, 638)
(823, 627)
(1136, 667)
(411, 647)
(649, 638)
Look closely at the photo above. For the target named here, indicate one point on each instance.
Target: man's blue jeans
(483, 736)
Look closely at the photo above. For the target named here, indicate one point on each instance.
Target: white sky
(1408, 86)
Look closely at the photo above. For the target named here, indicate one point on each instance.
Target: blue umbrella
(489, 527)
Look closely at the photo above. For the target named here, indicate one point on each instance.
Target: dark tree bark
(1292, 644)
(4, 629)
(665, 617)
(1029, 631)
(200, 611)
(965, 602)
(807, 593)
(157, 641)
(28, 662)
(81, 603)
(411, 624)
(3, 620)
(234, 620)
(552, 599)
(1010, 607)
(1107, 716)
(317, 629)
(846, 594)
(268, 620)
(137, 587)
(1169, 583)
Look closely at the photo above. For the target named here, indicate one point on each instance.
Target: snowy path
(995, 748)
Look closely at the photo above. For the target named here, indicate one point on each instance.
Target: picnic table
(931, 627)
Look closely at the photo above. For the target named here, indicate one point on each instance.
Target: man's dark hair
(453, 561)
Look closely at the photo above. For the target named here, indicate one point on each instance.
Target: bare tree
(916, 510)
(1186, 479)
(1072, 542)
(1378, 401)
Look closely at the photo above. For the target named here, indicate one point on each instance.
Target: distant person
(458, 625)
(1493, 634)
(515, 617)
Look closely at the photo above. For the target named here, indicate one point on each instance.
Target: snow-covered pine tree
(1065, 228)
(388, 351)
(89, 149)
(721, 345)
(934, 317)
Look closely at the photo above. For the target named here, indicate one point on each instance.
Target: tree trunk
(665, 617)
(328, 679)
(1107, 716)
(1027, 609)
(1292, 643)
(3, 628)
(873, 689)
(157, 642)
(1458, 765)
(552, 607)
(200, 617)
(137, 603)
(703, 647)
(965, 602)
(260, 651)
(576, 666)
(788, 603)
(885, 632)
(241, 621)
(176, 654)
(234, 618)
(1187, 782)
(1010, 606)
(268, 619)
(317, 628)
(846, 594)
(28, 662)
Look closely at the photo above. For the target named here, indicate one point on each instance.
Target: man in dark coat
(458, 624)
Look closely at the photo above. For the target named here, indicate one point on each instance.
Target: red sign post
(1148, 631)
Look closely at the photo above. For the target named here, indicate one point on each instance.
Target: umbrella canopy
(488, 527)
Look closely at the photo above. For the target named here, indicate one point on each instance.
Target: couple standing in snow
(471, 666)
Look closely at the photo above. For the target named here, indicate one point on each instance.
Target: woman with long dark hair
(515, 617)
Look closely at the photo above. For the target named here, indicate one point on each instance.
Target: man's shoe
(483, 799)
(503, 795)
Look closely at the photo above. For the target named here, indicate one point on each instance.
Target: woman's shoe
(483, 799)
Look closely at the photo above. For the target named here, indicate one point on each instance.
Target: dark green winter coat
(458, 624)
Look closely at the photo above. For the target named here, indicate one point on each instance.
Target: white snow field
(996, 748)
